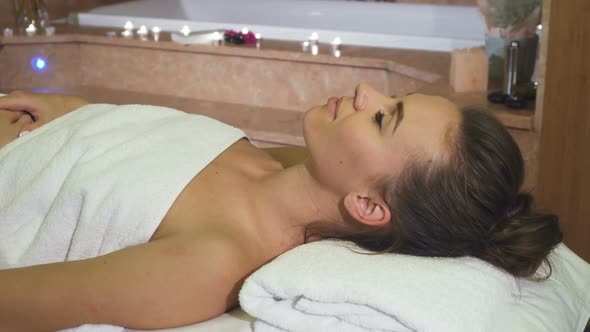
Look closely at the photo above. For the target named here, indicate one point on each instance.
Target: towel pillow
(561, 303)
(327, 286)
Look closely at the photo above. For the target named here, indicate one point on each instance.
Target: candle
(216, 38)
(156, 32)
(142, 32)
(315, 49)
(185, 30)
(31, 30)
(128, 26)
(314, 37)
(305, 46)
(313, 41)
(336, 47)
(127, 34)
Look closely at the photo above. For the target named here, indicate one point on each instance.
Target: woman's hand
(11, 124)
(41, 107)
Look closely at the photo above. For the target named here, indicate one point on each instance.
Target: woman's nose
(360, 97)
(366, 97)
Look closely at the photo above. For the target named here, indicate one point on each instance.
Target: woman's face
(355, 141)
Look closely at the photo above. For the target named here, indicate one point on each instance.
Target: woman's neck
(285, 202)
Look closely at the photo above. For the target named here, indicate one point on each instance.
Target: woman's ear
(368, 209)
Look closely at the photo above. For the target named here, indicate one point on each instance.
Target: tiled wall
(56, 8)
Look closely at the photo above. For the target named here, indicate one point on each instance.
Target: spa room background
(562, 179)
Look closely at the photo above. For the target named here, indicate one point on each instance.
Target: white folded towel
(99, 179)
(330, 286)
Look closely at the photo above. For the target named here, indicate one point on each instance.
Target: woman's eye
(379, 118)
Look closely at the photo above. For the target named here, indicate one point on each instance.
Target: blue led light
(39, 63)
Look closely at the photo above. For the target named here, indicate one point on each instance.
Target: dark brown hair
(466, 204)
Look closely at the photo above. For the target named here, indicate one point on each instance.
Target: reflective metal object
(511, 67)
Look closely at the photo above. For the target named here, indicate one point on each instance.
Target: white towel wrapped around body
(333, 286)
(99, 179)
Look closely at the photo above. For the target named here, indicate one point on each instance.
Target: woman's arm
(11, 124)
(166, 283)
(42, 107)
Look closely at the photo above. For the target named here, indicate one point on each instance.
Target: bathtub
(375, 24)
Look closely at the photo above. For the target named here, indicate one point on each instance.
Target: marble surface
(291, 85)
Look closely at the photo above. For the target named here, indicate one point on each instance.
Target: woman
(414, 175)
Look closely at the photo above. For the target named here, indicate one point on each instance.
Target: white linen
(99, 179)
(330, 286)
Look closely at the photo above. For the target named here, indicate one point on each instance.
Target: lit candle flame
(315, 49)
(185, 30)
(128, 26)
(31, 29)
(156, 32)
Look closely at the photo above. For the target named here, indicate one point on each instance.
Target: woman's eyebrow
(399, 110)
